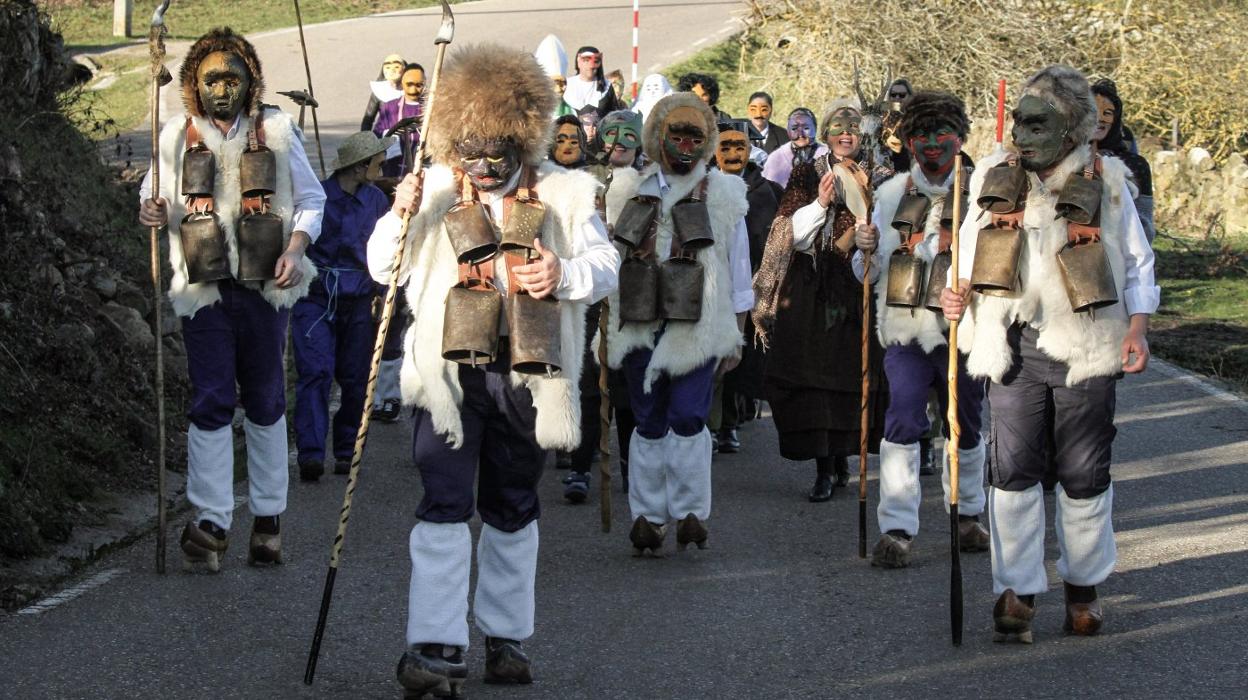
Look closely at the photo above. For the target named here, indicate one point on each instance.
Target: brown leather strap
(195, 141)
(1078, 234)
(256, 204)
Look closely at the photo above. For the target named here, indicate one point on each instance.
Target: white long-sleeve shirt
(591, 273)
(738, 249)
(308, 196)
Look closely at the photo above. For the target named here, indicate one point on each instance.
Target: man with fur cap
(488, 141)
(1036, 349)
(672, 350)
(235, 330)
(932, 127)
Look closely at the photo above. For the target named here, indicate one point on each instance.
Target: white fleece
(899, 326)
(1088, 342)
(432, 383)
(279, 132)
(684, 346)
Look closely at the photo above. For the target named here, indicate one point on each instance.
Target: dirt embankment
(77, 412)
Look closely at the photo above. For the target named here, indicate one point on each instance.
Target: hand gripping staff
(951, 419)
(160, 76)
(445, 33)
(855, 184)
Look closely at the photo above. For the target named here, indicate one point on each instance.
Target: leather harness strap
(1078, 234)
(258, 203)
(473, 276)
(195, 142)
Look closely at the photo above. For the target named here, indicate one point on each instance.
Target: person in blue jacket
(333, 329)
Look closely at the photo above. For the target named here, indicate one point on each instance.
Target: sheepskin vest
(279, 133)
(898, 326)
(432, 383)
(1089, 342)
(684, 346)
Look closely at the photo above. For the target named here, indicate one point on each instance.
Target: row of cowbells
(670, 290)
(474, 306)
(261, 238)
(1086, 273)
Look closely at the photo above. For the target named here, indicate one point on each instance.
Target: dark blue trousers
(679, 403)
(239, 341)
(500, 453)
(911, 374)
(332, 343)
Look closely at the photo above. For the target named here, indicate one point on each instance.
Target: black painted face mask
(1039, 133)
(488, 163)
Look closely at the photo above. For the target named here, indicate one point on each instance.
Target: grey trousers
(1082, 423)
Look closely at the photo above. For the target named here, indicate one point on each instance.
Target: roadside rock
(129, 323)
(73, 334)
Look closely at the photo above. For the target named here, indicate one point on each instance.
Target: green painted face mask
(621, 128)
(1039, 133)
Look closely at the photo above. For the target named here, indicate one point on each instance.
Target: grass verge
(88, 24)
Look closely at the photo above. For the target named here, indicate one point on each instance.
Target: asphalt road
(778, 606)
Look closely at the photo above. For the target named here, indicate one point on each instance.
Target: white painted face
(654, 87)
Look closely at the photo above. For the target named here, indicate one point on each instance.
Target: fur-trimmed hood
(651, 136)
(220, 39)
(493, 92)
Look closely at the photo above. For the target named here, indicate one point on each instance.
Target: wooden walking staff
(951, 420)
(604, 418)
(445, 33)
(160, 77)
(307, 69)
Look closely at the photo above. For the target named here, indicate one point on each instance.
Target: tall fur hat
(652, 136)
(1067, 91)
(928, 109)
(489, 91)
(219, 39)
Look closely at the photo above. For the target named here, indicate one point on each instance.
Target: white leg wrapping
(1085, 536)
(210, 474)
(387, 381)
(647, 492)
(1017, 529)
(971, 496)
(688, 466)
(899, 488)
(506, 578)
(437, 599)
(268, 467)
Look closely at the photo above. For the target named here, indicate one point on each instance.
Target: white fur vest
(432, 383)
(1089, 344)
(684, 346)
(899, 326)
(279, 132)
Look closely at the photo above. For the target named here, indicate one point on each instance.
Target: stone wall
(1196, 196)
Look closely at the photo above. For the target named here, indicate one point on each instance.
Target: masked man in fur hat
(1036, 348)
(684, 231)
(236, 245)
(911, 210)
(483, 425)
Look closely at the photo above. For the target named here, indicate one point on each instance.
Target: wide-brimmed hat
(359, 147)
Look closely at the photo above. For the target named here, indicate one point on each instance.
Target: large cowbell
(692, 224)
(905, 280)
(1080, 200)
(937, 279)
(639, 290)
(680, 289)
(998, 250)
(635, 220)
(523, 227)
(1087, 275)
(258, 172)
(260, 244)
(534, 327)
(946, 210)
(199, 172)
(911, 214)
(203, 248)
(472, 232)
(470, 323)
(1004, 189)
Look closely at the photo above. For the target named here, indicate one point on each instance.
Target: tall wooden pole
(955, 426)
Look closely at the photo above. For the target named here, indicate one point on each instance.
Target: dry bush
(1171, 58)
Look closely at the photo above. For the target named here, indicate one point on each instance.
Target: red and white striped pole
(636, 22)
